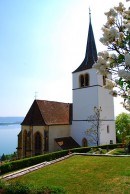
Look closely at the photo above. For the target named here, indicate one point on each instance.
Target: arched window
(38, 143)
(86, 79)
(81, 81)
(24, 142)
(46, 141)
(28, 141)
(84, 142)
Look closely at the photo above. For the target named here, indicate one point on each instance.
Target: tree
(122, 126)
(116, 60)
(93, 132)
(3, 157)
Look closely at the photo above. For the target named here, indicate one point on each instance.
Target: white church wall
(78, 132)
(107, 132)
(84, 102)
(57, 131)
(106, 103)
(107, 114)
(79, 129)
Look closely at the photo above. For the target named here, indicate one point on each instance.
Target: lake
(9, 129)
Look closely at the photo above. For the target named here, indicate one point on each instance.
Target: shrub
(22, 188)
(111, 146)
(23, 163)
(2, 184)
(17, 188)
(80, 150)
(48, 190)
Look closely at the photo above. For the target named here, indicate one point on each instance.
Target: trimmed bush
(2, 184)
(80, 150)
(48, 190)
(23, 163)
(17, 188)
(111, 146)
(22, 188)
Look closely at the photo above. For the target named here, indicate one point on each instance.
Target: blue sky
(41, 43)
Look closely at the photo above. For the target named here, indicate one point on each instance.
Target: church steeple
(91, 51)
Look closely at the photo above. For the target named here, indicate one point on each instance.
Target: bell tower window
(81, 81)
(84, 80)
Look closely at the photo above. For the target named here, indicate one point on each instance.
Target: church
(51, 126)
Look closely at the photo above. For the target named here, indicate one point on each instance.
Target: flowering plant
(116, 60)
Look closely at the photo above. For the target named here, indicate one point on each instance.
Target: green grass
(84, 174)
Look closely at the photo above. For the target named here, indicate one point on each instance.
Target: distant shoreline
(6, 121)
(7, 124)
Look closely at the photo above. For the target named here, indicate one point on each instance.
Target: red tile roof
(44, 112)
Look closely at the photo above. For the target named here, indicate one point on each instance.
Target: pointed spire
(91, 51)
(89, 14)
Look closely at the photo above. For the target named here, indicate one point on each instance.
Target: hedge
(23, 188)
(26, 162)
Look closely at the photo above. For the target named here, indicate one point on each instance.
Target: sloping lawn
(84, 174)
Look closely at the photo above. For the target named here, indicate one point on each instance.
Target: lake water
(9, 129)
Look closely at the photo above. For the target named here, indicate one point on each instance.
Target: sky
(41, 43)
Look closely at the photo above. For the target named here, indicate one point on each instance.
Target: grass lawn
(85, 175)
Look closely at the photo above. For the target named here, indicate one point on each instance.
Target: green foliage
(2, 184)
(3, 158)
(8, 157)
(80, 150)
(17, 188)
(97, 151)
(49, 190)
(122, 126)
(111, 146)
(23, 163)
(121, 82)
(23, 188)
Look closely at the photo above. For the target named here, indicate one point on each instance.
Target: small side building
(44, 124)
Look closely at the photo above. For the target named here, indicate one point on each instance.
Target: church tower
(89, 96)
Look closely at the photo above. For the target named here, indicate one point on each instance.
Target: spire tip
(89, 14)
(89, 11)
